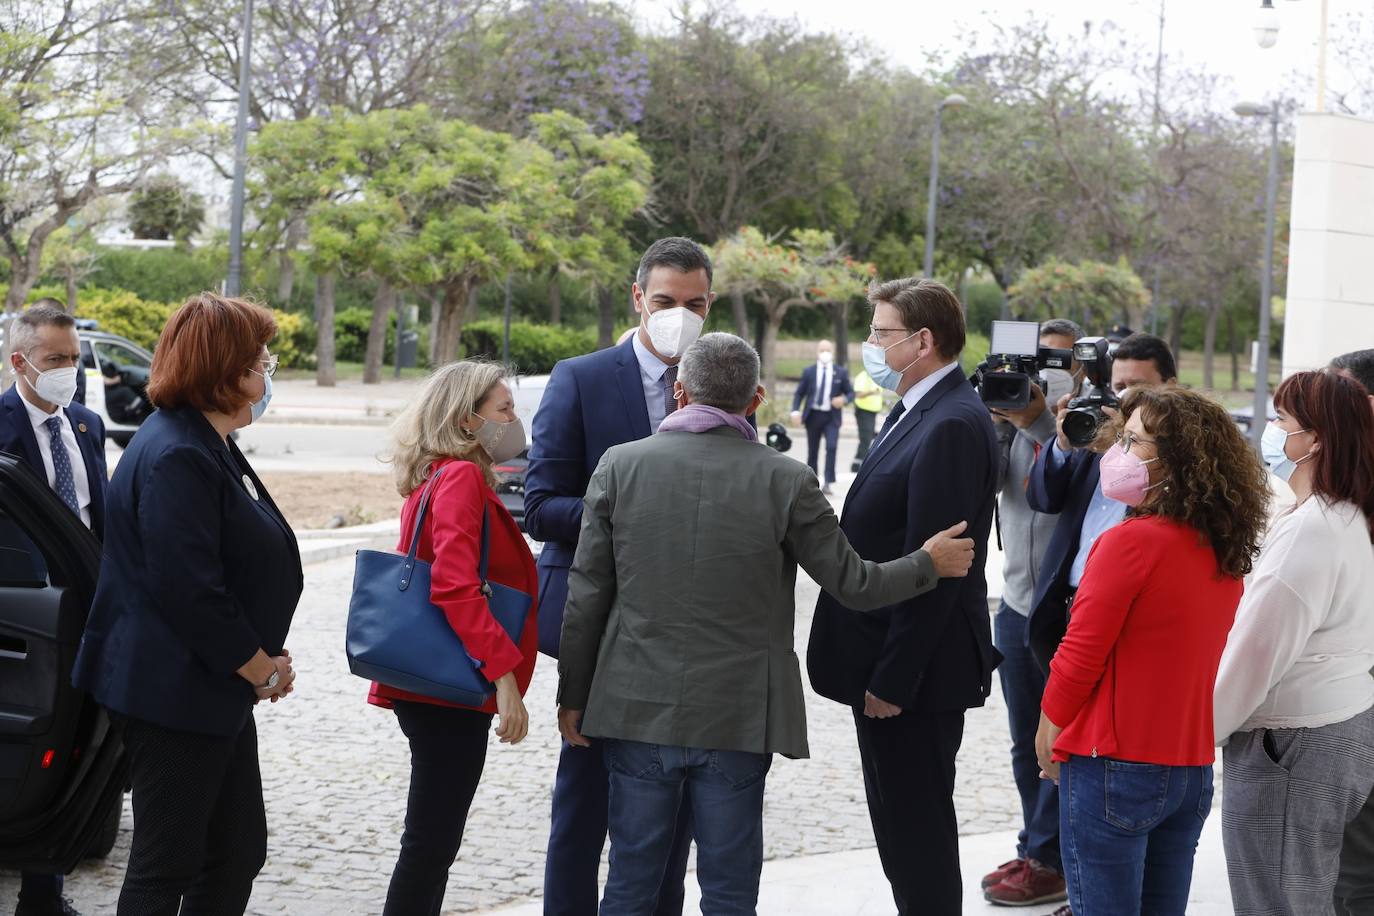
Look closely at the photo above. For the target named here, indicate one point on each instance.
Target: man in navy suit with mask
(819, 405)
(909, 672)
(63, 444)
(592, 403)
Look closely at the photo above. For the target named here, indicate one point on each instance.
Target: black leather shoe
(59, 907)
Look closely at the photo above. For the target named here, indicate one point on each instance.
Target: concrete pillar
(1330, 302)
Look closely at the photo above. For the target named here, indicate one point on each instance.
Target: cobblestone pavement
(335, 773)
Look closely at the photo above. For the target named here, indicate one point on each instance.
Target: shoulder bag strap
(486, 548)
(409, 565)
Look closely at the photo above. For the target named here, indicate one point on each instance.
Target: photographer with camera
(1035, 875)
(1065, 479)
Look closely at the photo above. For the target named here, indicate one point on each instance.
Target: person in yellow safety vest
(868, 402)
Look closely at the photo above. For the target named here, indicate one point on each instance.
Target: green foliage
(534, 348)
(294, 344)
(159, 274)
(350, 335)
(124, 313)
(166, 209)
(53, 291)
(1090, 292)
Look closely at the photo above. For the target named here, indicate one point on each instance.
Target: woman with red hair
(1294, 697)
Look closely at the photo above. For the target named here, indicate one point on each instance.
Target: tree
(1090, 292)
(165, 209)
(809, 270)
(73, 122)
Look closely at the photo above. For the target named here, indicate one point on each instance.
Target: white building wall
(1330, 300)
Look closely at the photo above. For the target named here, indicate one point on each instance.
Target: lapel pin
(248, 485)
(81, 426)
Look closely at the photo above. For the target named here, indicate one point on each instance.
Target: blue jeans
(1129, 832)
(1022, 687)
(726, 794)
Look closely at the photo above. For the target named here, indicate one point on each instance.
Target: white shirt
(40, 432)
(820, 398)
(922, 388)
(1300, 652)
(651, 370)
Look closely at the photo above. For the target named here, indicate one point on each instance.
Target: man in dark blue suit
(909, 672)
(819, 405)
(63, 444)
(1064, 480)
(592, 403)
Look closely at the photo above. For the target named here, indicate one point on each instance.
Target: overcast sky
(1217, 33)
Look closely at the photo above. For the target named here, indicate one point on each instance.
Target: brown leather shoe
(1002, 872)
(1033, 884)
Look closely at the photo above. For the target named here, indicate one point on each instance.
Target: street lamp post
(1261, 409)
(950, 101)
(233, 281)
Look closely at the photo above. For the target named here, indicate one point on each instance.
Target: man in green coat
(678, 633)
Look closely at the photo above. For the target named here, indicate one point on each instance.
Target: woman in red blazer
(1126, 717)
(463, 422)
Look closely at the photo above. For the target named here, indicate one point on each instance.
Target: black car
(62, 772)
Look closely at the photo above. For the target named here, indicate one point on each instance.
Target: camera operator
(1035, 875)
(1064, 479)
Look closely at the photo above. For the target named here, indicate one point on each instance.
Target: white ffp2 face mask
(502, 440)
(673, 330)
(56, 386)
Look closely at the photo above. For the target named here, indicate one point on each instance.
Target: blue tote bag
(398, 637)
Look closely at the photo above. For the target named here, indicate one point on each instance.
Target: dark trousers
(1023, 685)
(822, 424)
(448, 749)
(37, 887)
(577, 834)
(200, 831)
(908, 764)
(867, 420)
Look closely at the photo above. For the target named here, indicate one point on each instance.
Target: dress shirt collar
(36, 415)
(650, 365)
(923, 387)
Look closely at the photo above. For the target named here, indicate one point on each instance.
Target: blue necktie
(890, 422)
(65, 483)
(823, 387)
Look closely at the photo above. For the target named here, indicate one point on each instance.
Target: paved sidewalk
(852, 883)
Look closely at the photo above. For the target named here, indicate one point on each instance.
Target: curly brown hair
(1215, 481)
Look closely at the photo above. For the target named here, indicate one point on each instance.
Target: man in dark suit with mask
(63, 444)
(818, 404)
(909, 672)
(592, 403)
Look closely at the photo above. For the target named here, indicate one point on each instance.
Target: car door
(61, 761)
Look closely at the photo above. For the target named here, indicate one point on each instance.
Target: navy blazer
(932, 653)
(17, 438)
(804, 399)
(1068, 490)
(197, 574)
(591, 403)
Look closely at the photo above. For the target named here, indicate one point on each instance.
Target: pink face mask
(1125, 477)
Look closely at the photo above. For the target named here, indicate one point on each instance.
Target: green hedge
(121, 312)
(158, 274)
(534, 348)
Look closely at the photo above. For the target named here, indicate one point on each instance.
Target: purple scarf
(699, 418)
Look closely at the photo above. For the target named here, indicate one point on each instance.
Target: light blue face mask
(260, 407)
(1273, 445)
(875, 363)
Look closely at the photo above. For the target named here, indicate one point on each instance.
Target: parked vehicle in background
(116, 380)
(528, 391)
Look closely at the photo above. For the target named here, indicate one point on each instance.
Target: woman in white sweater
(1294, 696)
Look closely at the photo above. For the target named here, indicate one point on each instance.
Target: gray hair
(720, 370)
(1062, 327)
(24, 329)
(679, 253)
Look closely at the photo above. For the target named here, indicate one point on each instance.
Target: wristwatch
(271, 681)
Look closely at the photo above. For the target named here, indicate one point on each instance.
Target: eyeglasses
(1128, 441)
(269, 364)
(877, 333)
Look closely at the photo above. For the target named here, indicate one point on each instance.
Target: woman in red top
(1126, 717)
(463, 422)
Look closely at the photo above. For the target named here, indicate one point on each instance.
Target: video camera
(1015, 362)
(1084, 417)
